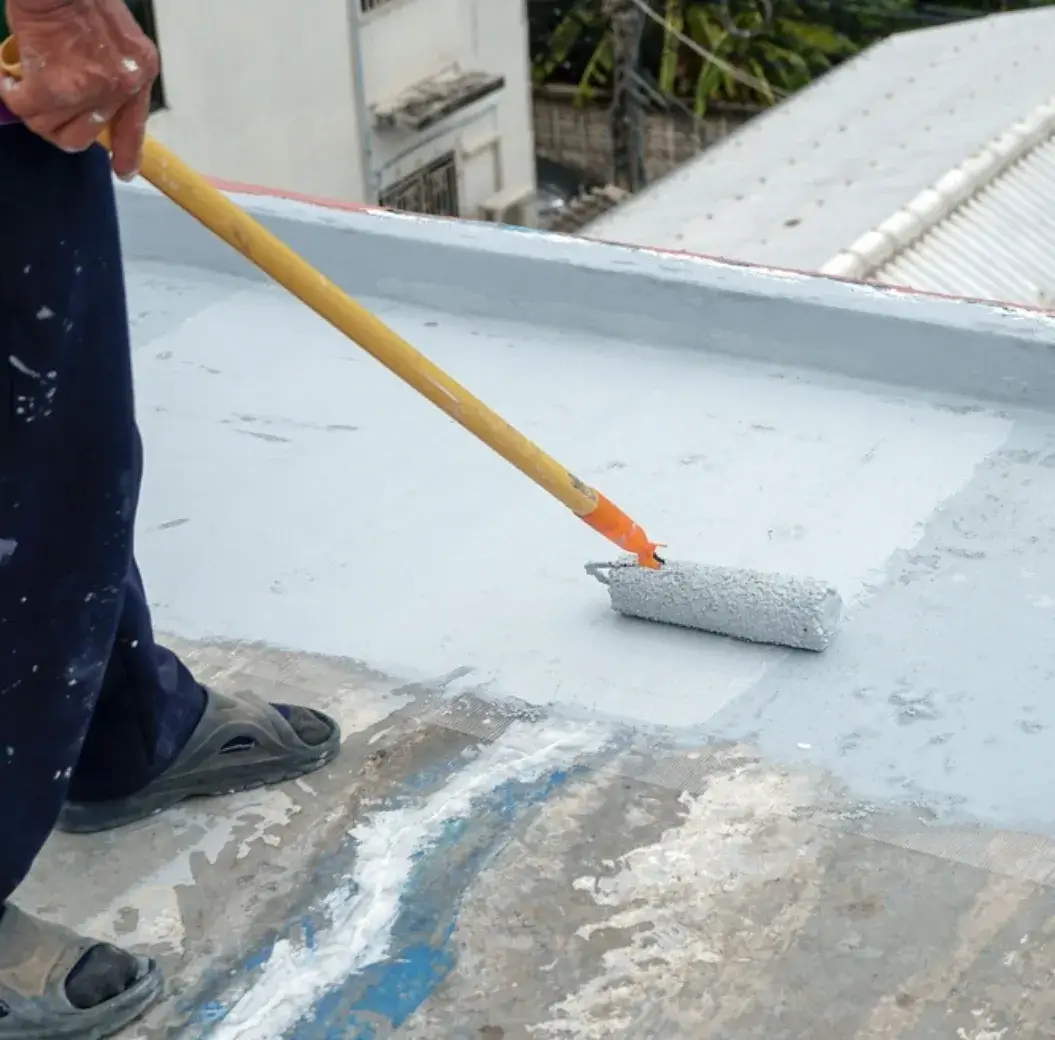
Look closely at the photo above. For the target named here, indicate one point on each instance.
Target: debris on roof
(588, 206)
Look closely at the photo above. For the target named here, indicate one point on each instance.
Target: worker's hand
(85, 64)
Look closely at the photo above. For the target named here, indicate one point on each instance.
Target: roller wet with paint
(784, 610)
(762, 608)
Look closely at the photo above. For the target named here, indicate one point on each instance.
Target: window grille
(433, 190)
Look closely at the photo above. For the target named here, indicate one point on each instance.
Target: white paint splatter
(982, 1034)
(738, 835)
(155, 898)
(254, 816)
(45, 313)
(7, 549)
(363, 911)
(20, 366)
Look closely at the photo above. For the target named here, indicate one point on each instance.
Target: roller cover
(778, 609)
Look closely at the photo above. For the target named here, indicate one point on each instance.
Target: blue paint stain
(407, 983)
(257, 960)
(208, 1004)
(211, 1011)
(425, 780)
(384, 995)
(421, 957)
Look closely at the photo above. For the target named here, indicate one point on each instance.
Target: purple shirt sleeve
(5, 116)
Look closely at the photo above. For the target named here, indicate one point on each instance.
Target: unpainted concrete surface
(651, 892)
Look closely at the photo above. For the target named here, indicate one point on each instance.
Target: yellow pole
(195, 194)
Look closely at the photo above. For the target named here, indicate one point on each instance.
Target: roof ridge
(932, 205)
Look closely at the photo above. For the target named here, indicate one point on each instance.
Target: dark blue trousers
(90, 706)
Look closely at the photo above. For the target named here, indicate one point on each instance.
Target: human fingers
(127, 131)
(26, 99)
(62, 109)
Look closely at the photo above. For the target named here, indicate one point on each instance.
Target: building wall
(261, 91)
(278, 94)
(406, 41)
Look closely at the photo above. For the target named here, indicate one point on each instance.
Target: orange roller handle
(202, 200)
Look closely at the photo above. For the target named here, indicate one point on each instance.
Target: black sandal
(36, 959)
(241, 743)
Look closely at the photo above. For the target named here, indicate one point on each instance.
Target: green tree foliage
(779, 53)
(779, 50)
(764, 48)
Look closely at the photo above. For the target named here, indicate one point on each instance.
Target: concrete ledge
(992, 353)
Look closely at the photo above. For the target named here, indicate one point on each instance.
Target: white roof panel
(998, 245)
(795, 186)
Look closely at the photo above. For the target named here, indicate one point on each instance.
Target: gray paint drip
(782, 610)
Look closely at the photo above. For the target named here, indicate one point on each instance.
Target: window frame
(447, 164)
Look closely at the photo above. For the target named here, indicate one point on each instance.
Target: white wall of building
(261, 91)
(501, 32)
(405, 41)
(271, 92)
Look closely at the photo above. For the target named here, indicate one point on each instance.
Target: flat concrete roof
(549, 821)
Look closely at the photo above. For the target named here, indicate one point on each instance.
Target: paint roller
(781, 609)
(748, 605)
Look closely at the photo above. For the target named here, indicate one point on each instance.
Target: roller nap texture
(760, 608)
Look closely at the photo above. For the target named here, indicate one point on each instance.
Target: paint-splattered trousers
(90, 706)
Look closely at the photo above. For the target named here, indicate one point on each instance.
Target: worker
(100, 726)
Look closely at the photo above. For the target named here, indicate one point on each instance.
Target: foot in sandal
(57, 985)
(240, 743)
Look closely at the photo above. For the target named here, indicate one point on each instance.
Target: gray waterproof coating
(760, 608)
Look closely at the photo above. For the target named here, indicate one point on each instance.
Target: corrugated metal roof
(906, 225)
(998, 245)
(800, 183)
